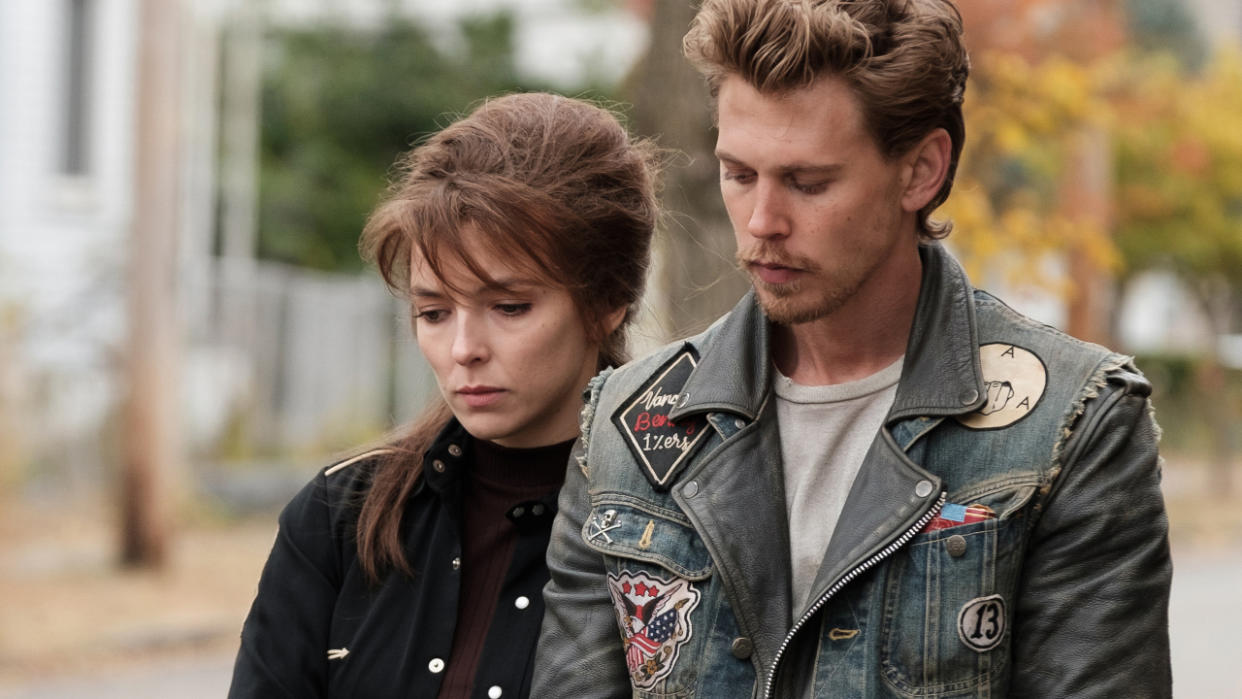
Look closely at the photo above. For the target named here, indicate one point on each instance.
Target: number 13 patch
(981, 623)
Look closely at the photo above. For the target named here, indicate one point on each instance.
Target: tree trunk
(150, 448)
(695, 279)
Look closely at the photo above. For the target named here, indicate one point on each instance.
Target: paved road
(205, 677)
(1205, 618)
(1206, 615)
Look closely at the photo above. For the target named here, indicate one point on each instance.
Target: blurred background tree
(340, 103)
(1179, 199)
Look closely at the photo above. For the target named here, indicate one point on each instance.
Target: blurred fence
(286, 359)
(280, 367)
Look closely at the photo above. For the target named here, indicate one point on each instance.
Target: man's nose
(470, 343)
(768, 218)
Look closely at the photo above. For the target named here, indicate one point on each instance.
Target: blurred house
(283, 357)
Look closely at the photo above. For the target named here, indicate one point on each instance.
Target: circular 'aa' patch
(981, 623)
(1014, 380)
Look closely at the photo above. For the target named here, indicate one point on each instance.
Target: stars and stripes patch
(654, 616)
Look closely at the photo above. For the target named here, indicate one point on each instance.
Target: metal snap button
(739, 423)
(923, 488)
(522, 602)
(454, 450)
(438, 465)
(969, 396)
(537, 510)
(495, 692)
(519, 511)
(691, 489)
(742, 648)
(436, 665)
(956, 545)
(456, 563)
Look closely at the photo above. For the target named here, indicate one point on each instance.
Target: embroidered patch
(661, 445)
(981, 623)
(600, 524)
(1014, 379)
(654, 615)
(952, 515)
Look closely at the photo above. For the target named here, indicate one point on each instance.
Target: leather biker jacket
(1005, 536)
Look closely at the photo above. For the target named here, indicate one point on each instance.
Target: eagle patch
(661, 445)
(654, 617)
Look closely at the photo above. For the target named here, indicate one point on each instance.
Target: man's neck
(862, 337)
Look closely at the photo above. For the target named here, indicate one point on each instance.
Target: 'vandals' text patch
(661, 445)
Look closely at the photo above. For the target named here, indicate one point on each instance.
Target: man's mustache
(774, 255)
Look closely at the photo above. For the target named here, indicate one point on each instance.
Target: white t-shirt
(825, 433)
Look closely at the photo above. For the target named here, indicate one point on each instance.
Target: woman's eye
(431, 315)
(512, 309)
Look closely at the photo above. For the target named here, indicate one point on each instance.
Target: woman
(521, 234)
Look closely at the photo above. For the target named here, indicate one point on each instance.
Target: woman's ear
(613, 320)
(928, 164)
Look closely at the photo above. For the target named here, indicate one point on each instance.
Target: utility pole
(151, 445)
(1086, 196)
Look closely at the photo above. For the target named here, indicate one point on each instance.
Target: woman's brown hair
(555, 186)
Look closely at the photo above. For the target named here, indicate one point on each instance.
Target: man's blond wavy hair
(904, 59)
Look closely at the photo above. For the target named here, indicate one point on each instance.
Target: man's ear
(613, 320)
(928, 166)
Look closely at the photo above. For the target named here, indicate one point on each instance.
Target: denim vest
(674, 581)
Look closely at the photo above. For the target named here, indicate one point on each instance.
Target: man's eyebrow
(812, 169)
(795, 168)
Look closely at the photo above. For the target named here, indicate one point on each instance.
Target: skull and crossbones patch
(654, 616)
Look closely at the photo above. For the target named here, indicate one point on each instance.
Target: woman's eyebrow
(423, 292)
(502, 285)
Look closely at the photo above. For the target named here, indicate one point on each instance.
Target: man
(868, 479)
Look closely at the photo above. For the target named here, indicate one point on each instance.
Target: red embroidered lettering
(643, 422)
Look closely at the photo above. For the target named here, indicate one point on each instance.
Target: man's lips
(480, 396)
(772, 273)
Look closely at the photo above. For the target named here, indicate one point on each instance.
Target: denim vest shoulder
(1037, 381)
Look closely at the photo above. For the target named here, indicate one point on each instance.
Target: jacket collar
(941, 375)
(447, 459)
(734, 366)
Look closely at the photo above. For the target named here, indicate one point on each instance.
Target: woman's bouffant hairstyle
(904, 59)
(552, 185)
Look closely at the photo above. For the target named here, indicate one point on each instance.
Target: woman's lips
(480, 396)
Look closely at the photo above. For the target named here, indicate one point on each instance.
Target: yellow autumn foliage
(1170, 185)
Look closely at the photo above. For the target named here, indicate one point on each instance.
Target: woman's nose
(470, 340)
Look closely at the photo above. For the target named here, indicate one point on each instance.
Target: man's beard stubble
(792, 303)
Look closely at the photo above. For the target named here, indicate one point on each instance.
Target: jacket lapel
(887, 498)
(735, 497)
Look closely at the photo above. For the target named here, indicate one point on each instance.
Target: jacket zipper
(845, 580)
